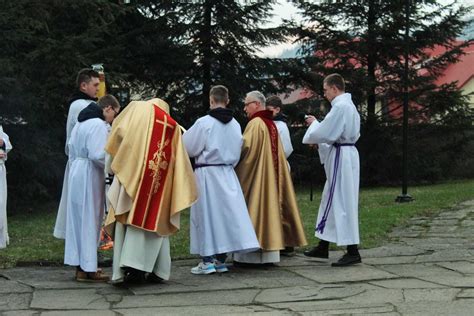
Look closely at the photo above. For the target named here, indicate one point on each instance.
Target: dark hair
(220, 94)
(85, 75)
(335, 80)
(274, 101)
(107, 100)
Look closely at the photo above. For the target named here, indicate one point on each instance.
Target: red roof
(295, 95)
(462, 71)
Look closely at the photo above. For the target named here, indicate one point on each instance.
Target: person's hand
(1, 142)
(2, 155)
(314, 146)
(309, 119)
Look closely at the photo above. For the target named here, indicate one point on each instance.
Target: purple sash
(322, 223)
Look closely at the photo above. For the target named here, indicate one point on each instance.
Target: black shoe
(153, 278)
(134, 276)
(347, 260)
(288, 252)
(317, 252)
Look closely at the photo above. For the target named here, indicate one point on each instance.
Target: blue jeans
(221, 257)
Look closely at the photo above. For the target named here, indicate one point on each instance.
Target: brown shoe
(99, 276)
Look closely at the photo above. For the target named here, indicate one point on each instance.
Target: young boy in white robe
(336, 135)
(274, 104)
(5, 147)
(87, 83)
(85, 196)
(220, 221)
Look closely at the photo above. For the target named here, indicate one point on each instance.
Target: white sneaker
(204, 268)
(220, 266)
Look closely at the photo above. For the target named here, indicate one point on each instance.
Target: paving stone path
(427, 268)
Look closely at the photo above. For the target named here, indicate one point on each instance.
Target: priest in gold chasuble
(153, 183)
(267, 186)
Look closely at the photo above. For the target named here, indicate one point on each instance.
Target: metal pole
(405, 197)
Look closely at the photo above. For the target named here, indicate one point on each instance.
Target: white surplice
(341, 125)
(134, 247)
(4, 239)
(220, 221)
(74, 110)
(85, 196)
(285, 138)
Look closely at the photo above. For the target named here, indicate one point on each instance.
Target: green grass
(31, 237)
(378, 213)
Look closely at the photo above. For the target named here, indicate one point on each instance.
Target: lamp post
(405, 197)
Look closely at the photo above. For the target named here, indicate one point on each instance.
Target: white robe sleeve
(71, 122)
(96, 145)
(306, 138)
(328, 131)
(285, 140)
(74, 109)
(6, 141)
(194, 139)
(108, 163)
(324, 150)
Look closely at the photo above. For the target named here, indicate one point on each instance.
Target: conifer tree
(222, 39)
(364, 41)
(44, 45)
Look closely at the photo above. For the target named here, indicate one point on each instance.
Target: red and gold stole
(150, 193)
(267, 118)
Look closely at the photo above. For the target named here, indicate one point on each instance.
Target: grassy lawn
(31, 237)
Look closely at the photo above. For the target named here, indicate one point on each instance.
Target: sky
(284, 9)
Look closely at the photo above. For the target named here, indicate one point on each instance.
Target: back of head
(335, 80)
(274, 101)
(257, 96)
(85, 75)
(220, 94)
(107, 100)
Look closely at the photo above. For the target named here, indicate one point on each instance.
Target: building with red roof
(461, 72)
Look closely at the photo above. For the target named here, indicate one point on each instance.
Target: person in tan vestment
(153, 183)
(267, 186)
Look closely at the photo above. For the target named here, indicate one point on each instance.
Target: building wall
(469, 88)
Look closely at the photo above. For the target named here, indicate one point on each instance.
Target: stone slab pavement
(426, 268)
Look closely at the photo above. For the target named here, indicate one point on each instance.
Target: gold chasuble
(267, 186)
(154, 172)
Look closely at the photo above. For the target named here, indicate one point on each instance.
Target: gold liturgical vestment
(150, 162)
(267, 186)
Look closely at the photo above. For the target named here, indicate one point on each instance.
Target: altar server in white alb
(87, 82)
(274, 104)
(220, 222)
(5, 147)
(336, 136)
(86, 196)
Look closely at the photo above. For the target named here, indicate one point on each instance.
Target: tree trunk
(371, 65)
(206, 54)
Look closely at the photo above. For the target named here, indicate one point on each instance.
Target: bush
(435, 153)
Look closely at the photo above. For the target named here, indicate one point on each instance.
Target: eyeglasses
(248, 103)
(115, 112)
